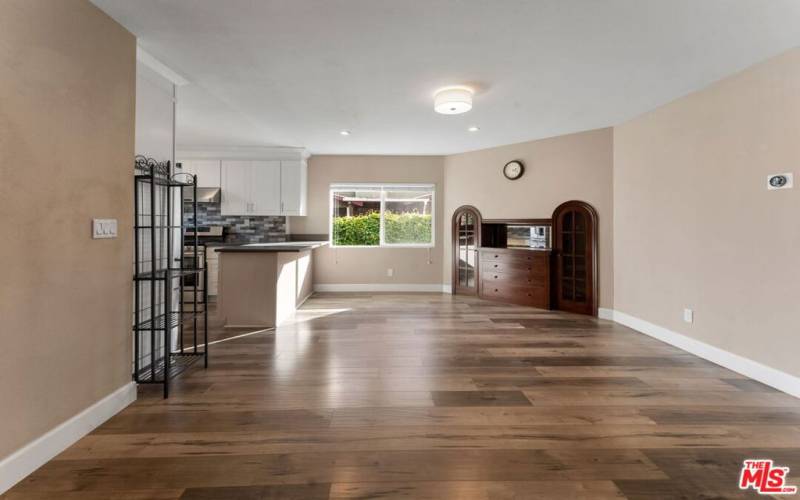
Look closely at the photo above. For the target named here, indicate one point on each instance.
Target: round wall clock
(513, 170)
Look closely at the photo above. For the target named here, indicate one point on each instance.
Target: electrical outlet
(688, 315)
(104, 228)
(390, 272)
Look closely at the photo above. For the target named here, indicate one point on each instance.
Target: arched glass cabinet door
(466, 239)
(575, 246)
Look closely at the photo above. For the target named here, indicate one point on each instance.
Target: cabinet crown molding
(241, 153)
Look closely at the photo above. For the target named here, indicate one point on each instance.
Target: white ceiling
(296, 72)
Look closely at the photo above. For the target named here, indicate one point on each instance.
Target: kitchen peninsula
(261, 284)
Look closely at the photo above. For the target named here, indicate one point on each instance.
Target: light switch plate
(104, 228)
(688, 315)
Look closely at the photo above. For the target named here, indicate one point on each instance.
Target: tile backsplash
(240, 228)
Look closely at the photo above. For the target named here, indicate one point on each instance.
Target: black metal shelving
(166, 329)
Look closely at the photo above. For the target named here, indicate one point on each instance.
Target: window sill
(331, 245)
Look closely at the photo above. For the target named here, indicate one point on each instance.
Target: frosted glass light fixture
(452, 100)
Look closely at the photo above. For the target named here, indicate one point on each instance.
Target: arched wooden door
(575, 254)
(466, 239)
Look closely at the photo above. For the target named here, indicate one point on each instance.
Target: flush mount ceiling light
(344, 132)
(473, 128)
(452, 100)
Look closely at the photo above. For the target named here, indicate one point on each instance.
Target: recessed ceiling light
(452, 100)
(344, 132)
(473, 128)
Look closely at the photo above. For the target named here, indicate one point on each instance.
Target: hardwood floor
(433, 397)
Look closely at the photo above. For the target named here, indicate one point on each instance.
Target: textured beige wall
(369, 265)
(66, 147)
(569, 167)
(695, 225)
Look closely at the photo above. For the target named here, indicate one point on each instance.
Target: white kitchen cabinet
(235, 187)
(207, 172)
(293, 187)
(263, 187)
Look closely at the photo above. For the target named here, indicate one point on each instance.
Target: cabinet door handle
(281, 206)
(495, 265)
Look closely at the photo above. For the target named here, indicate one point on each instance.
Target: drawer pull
(495, 265)
(496, 256)
(496, 290)
(495, 276)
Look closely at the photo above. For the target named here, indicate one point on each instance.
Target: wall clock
(513, 170)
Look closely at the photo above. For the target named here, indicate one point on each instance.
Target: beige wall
(569, 167)
(369, 265)
(695, 225)
(66, 147)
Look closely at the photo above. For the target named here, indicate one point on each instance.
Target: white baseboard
(33, 455)
(604, 313)
(381, 287)
(747, 367)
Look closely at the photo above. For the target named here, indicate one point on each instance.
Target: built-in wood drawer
(528, 296)
(515, 279)
(517, 255)
(526, 269)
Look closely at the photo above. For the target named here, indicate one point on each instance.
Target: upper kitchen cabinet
(236, 182)
(207, 172)
(263, 187)
(293, 187)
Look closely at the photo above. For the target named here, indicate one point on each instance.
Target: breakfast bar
(261, 284)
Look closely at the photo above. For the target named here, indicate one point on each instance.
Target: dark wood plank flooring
(433, 397)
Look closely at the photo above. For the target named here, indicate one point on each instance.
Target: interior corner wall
(694, 224)
(67, 100)
(368, 266)
(568, 167)
(155, 115)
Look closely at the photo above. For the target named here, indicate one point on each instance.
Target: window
(382, 215)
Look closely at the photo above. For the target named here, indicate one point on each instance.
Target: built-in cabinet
(254, 187)
(516, 275)
(263, 187)
(544, 263)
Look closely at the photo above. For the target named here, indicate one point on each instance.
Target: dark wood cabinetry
(575, 248)
(515, 275)
(544, 263)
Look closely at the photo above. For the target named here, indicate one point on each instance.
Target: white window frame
(382, 187)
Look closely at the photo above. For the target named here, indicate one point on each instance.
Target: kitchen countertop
(296, 246)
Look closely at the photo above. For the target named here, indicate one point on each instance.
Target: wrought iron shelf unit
(169, 333)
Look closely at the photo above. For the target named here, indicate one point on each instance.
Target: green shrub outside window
(365, 230)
